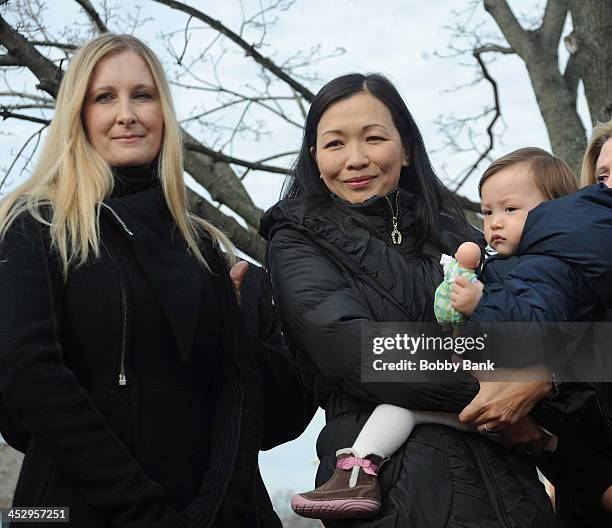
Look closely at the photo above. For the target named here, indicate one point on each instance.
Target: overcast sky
(400, 38)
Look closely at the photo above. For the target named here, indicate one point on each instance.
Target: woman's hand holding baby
(500, 404)
(465, 295)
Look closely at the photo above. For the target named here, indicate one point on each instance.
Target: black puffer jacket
(330, 271)
(133, 387)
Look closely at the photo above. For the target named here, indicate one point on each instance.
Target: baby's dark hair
(551, 175)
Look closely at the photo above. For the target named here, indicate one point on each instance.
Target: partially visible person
(597, 161)
(126, 373)
(582, 469)
(562, 272)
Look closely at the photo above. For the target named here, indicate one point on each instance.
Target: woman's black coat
(333, 266)
(132, 387)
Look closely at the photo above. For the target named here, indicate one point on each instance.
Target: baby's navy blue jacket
(563, 267)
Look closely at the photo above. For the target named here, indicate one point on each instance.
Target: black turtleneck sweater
(130, 180)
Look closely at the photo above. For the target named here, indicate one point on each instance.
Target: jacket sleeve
(539, 289)
(322, 314)
(46, 398)
(11, 430)
(288, 405)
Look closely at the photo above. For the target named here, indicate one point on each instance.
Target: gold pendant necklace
(396, 235)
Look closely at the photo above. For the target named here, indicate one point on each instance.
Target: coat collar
(161, 251)
(357, 240)
(130, 180)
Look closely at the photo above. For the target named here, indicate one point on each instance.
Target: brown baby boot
(352, 491)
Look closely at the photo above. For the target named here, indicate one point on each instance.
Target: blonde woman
(597, 161)
(125, 375)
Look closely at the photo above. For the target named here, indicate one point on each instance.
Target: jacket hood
(576, 228)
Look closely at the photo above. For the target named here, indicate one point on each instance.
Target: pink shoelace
(350, 462)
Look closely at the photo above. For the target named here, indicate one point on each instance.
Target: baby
(543, 271)
(549, 265)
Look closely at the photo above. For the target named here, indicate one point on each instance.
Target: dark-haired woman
(358, 238)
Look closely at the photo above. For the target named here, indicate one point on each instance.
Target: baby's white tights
(389, 427)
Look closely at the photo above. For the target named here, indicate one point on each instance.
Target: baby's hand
(465, 295)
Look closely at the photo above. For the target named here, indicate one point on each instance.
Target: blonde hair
(72, 178)
(551, 175)
(601, 133)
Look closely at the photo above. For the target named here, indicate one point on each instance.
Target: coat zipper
(396, 235)
(122, 375)
(118, 218)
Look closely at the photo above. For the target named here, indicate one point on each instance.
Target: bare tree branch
(60, 45)
(553, 21)
(247, 240)
(572, 75)
(23, 147)
(9, 60)
(496, 116)
(23, 95)
(245, 99)
(5, 114)
(93, 15)
(249, 50)
(219, 156)
(17, 45)
(179, 59)
(300, 104)
(220, 180)
(281, 155)
(494, 48)
(32, 106)
(517, 37)
(258, 100)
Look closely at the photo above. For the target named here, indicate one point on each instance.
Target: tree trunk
(592, 20)
(556, 95)
(558, 109)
